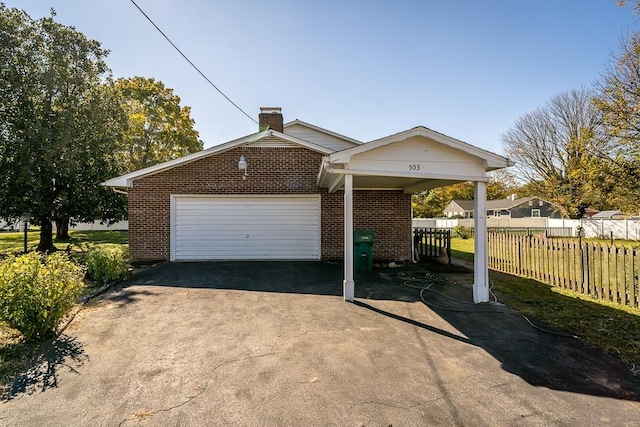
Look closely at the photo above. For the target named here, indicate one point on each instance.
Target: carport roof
(414, 160)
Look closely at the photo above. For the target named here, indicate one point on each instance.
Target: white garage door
(252, 227)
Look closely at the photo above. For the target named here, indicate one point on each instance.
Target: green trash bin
(363, 250)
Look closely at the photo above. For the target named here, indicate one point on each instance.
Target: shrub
(106, 263)
(37, 290)
(463, 232)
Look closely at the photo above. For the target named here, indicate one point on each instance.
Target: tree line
(581, 149)
(66, 125)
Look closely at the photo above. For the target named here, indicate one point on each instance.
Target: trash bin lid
(364, 236)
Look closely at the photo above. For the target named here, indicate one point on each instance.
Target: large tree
(619, 102)
(559, 148)
(59, 122)
(160, 129)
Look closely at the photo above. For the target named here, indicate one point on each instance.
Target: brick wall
(387, 213)
(276, 170)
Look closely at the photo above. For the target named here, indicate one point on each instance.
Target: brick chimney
(271, 118)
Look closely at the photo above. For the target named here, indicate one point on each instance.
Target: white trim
(481, 258)
(172, 228)
(377, 189)
(448, 177)
(126, 180)
(348, 286)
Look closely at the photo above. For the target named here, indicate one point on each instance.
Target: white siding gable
(418, 155)
(317, 137)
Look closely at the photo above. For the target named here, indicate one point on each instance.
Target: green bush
(37, 290)
(106, 263)
(463, 232)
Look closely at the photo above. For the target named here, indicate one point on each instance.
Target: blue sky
(365, 69)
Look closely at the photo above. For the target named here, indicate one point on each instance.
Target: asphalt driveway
(257, 343)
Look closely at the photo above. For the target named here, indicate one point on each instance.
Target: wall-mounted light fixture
(242, 166)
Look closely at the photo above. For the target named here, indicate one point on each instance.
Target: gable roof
(322, 130)
(605, 214)
(468, 205)
(126, 180)
(493, 161)
(319, 136)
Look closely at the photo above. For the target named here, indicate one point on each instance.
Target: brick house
(292, 191)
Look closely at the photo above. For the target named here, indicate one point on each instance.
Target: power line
(192, 64)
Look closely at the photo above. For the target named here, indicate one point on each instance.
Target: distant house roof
(589, 212)
(606, 214)
(467, 205)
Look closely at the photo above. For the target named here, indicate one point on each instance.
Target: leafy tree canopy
(59, 121)
(159, 128)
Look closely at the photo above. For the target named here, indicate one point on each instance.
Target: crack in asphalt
(375, 402)
(306, 333)
(202, 389)
(170, 408)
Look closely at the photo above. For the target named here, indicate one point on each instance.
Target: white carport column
(347, 285)
(481, 260)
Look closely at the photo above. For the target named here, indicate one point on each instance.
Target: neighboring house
(605, 215)
(589, 212)
(513, 207)
(290, 191)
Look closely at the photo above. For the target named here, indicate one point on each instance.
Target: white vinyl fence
(92, 226)
(626, 229)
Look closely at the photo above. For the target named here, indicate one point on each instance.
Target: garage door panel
(246, 228)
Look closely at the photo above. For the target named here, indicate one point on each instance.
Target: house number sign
(414, 167)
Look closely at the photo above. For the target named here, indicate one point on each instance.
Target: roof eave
(492, 161)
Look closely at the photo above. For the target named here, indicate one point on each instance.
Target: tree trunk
(46, 237)
(62, 229)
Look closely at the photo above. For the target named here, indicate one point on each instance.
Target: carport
(415, 160)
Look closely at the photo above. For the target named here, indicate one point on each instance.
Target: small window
(496, 214)
(535, 213)
(540, 203)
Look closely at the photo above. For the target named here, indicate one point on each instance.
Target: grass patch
(462, 248)
(614, 329)
(14, 242)
(81, 241)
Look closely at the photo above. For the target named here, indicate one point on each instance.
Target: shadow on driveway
(541, 359)
(62, 353)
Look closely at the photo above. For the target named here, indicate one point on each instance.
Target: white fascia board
(323, 130)
(443, 177)
(493, 161)
(124, 181)
(321, 173)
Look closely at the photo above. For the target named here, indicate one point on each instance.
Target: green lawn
(613, 328)
(462, 248)
(13, 243)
